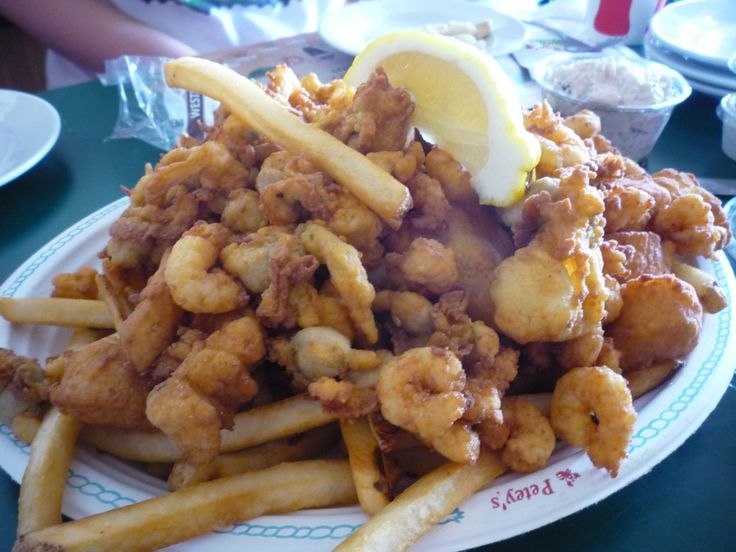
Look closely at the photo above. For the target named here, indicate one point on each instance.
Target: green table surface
(685, 503)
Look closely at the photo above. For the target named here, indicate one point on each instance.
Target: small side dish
(634, 98)
(727, 114)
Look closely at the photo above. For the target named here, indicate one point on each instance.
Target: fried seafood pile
(244, 273)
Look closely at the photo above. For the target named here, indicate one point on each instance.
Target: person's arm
(89, 31)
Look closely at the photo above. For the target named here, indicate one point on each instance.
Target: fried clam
(561, 146)
(592, 409)
(292, 190)
(427, 265)
(347, 273)
(342, 378)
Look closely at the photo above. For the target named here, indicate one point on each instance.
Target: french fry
(424, 504)
(56, 311)
(380, 191)
(176, 517)
(44, 479)
(644, 380)
(25, 426)
(84, 336)
(251, 427)
(114, 305)
(370, 483)
(80, 337)
(259, 457)
(709, 292)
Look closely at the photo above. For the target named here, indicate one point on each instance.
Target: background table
(685, 503)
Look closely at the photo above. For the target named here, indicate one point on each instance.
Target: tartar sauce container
(727, 113)
(633, 97)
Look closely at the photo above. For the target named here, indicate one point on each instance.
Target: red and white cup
(628, 19)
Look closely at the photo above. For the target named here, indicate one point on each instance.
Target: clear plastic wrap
(148, 109)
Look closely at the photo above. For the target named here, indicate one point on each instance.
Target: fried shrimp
(531, 438)
(592, 409)
(422, 391)
(193, 285)
(348, 275)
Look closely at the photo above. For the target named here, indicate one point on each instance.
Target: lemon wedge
(465, 103)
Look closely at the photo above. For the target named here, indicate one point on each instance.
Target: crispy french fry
(25, 426)
(709, 292)
(372, 185)
(421, 506)
(644, 380)
(114, 305)
(55, 311)
(176, 517)
(55, 367)
(370, 483)
(259, 457)
(44, 480)
(82, 336)
(251, 427)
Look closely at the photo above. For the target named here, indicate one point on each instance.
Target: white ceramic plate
(717, 87)
(709, 89)
(704, 30)
(29, 127)
(352, 27)
(513, 505)
(691, 69)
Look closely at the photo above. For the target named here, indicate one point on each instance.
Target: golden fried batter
(660, 320)
(378, 118)
(553, 289)
(101, 387)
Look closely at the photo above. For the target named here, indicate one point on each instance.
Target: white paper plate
(513, 505)
(704, 30)
(29, 127)
(691, 69)
(352, 27)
